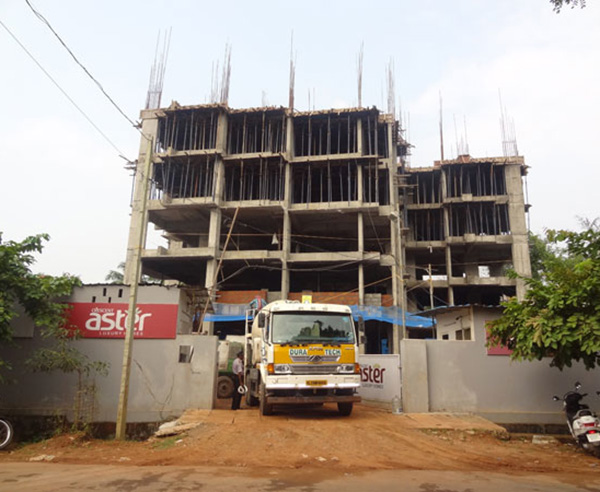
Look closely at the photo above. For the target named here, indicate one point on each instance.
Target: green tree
(117, 276)
(35, 293)
(39, 296)
(559, 4)
(560, 315)
(540, 252)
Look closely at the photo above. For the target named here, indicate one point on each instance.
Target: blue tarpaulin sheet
(393, 315)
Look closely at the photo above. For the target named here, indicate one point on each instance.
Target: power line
(121, 154)
(45, 21)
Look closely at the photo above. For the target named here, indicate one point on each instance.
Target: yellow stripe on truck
(297, 354)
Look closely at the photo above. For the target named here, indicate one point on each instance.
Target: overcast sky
(60, 176)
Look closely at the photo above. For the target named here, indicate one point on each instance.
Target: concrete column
(286, 242)
(415, 376)
(138, 218)
(359, 137)
(447, 238)
(285, 252)
(359, 184)
(397, 248)
(214, 230)
(361, 250)
(517, 222)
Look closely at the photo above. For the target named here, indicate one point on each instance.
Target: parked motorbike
(583, 423)
(6, 433)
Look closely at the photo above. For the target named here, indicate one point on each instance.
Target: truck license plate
(317, 382)
(593, 437)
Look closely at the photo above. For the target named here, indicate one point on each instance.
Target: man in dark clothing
(238, 380)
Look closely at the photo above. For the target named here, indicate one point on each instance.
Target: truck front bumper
(285, 382)
(298, 399)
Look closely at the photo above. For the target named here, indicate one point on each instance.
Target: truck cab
(302, 354)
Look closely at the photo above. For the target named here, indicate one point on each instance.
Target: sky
(60, 176)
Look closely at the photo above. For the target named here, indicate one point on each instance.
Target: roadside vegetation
(41, 298)
(559, 317)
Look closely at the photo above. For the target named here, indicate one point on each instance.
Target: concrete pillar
(359, 183)
(286, 242)
(214, 230)
(361, 250)
(138, 218)
(285, 252)
(415, 376)
(443, 184)
(397, 248)
(359, 137)
(518, 226)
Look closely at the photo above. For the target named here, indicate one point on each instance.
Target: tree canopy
(559, 4)
(560, 314)
(36, 294)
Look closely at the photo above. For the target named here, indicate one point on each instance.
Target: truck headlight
(346, 368)
(283, 369)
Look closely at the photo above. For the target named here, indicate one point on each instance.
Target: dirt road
(45, 477)
(317, 438)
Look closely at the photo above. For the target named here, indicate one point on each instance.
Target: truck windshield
(306, 327)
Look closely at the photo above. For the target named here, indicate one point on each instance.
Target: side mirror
(262, 320)
(556, 398)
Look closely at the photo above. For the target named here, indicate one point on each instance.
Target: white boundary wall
(161, 387)
(459, 376)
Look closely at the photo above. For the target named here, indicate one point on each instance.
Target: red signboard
(103, 320)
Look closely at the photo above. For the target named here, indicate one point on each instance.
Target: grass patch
(166, 443)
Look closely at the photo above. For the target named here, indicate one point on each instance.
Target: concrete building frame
(323, 202)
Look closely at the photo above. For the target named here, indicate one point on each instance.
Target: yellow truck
(302, 354)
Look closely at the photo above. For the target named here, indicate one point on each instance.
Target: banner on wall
(379, 377)
(103, 320)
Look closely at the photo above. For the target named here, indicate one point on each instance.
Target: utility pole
(136, 259)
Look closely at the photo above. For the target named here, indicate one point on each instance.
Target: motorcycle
(583, 423)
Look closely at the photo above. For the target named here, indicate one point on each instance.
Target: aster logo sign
(379, 377)
(102, 320)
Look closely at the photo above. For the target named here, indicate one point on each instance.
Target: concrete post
(136, 266)
(286, 243)
(397, 250)
(359, 137)
(518, 226)
(214, 230)
(139, 216)
(361, 250)
(447, 238)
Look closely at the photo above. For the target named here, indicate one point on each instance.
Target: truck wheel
(224, 387)
(265, 408)
(345, 408)
(251, 400)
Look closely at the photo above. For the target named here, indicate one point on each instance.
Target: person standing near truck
(238, 380)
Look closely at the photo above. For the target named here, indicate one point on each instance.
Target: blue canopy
(227, 312)
(393, 315)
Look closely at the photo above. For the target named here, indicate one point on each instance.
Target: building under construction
(281, 204)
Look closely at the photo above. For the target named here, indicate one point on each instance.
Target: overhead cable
(87, 72)
(121, 154)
